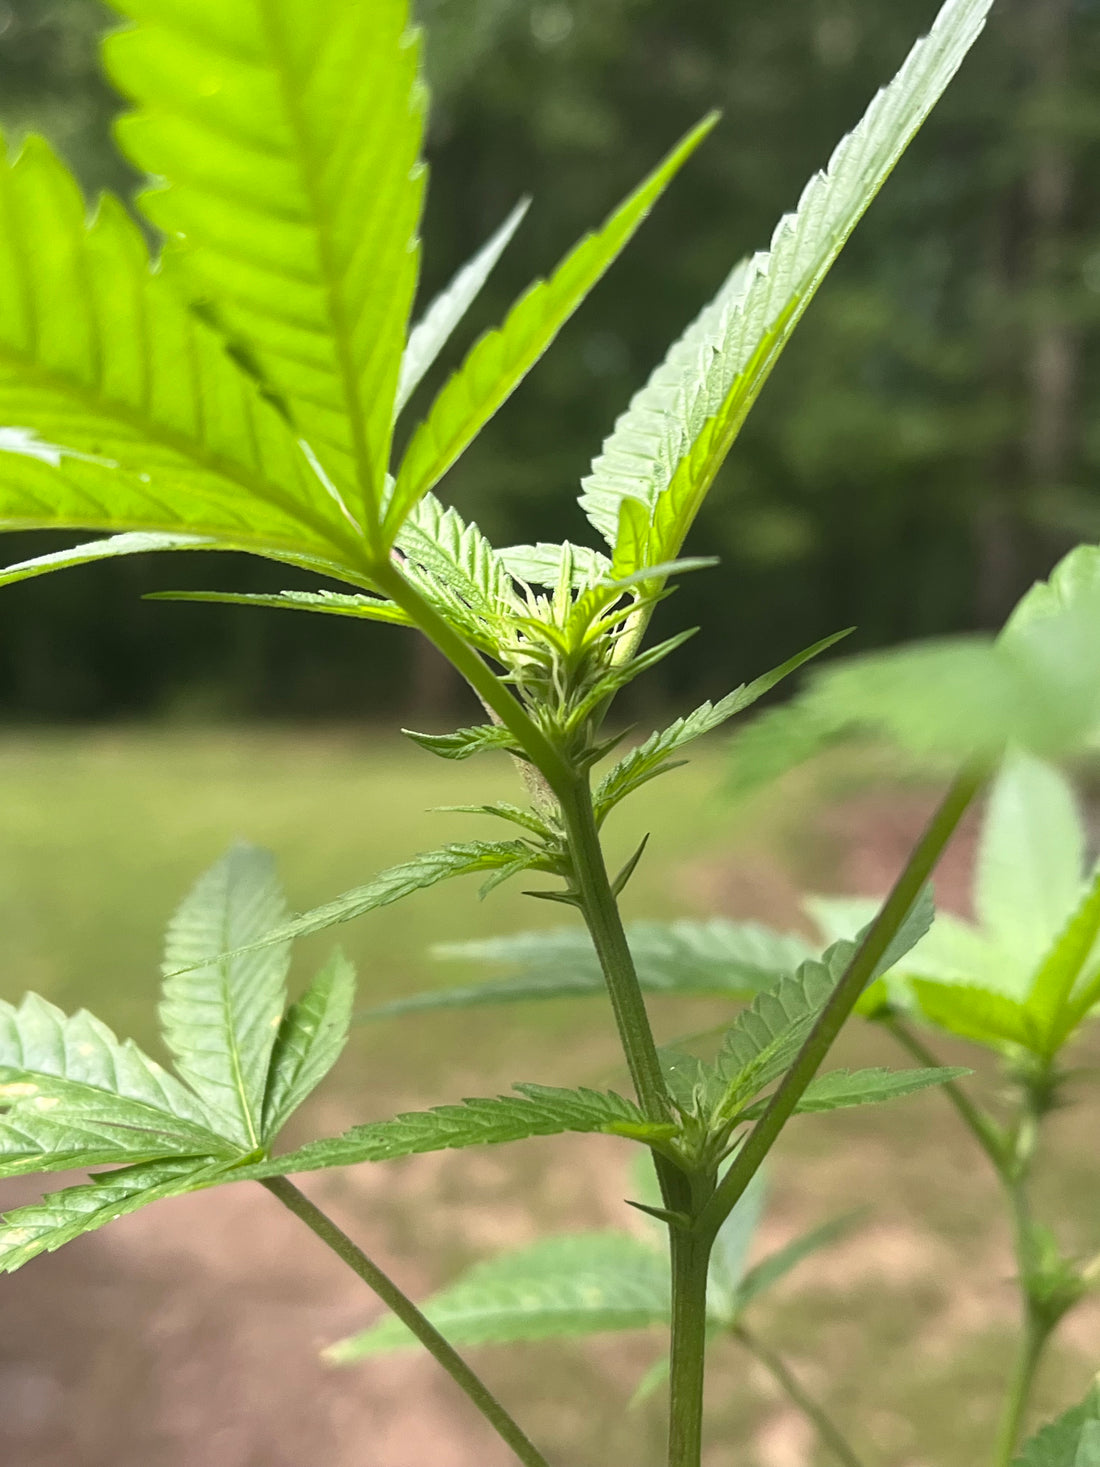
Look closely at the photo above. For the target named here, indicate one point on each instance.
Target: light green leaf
(669, 445)
(139, 542)
(538, 1110)
(650, 758)
(454, 565)
(1071, 1441)
(502, 358)
(840, 1089)
(540, 565)
(558, 1288)
(1074, 580)
(1030, 861)
(1049, 1004)
(310, 1040)
(980, 1014)
(74, 1095)
(327, 603)
(464, 743)
(287, 138)
(220, 1015)
(109, 433)
(62, 1216)
(432, 332)
(777, 1265)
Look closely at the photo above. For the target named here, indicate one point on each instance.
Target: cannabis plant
(238, 391)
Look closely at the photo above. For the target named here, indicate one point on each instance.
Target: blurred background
(926, 448)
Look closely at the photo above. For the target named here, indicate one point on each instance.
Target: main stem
(690, 1266)
(842, 1001)
(409, 1315)
(601, 913)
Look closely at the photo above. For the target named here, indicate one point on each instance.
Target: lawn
(213, 1354)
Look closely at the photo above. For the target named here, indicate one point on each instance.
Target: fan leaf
(287, 138)
(502, 358)
(309, 1041)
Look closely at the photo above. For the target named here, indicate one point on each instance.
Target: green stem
(1032, 1342)
(826, 1428)
(410, 1316)
(601, 913)
(842, 1001)
(690, 1260)
(485, 683)
(981, 1126)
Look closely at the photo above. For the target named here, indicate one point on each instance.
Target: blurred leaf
(1071, 1441)
(777, 1265)
(975, 1013)
(557, 1288)
(840, 1089)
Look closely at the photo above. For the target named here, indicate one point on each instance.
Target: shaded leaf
(558, 1288)
(538, 1110)
(221, 1008)
(464, 743)
(309, 1041)
(777, 1265)
(60, 1217)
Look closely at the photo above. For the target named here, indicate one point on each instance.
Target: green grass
(906, 1331)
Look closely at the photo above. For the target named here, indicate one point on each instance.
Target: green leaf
(60, 1217)
(1030, 861)
(650, 759)
(840, 1089)
(74, 1095)
(777, 1265)
(557, 1288)
(540, 565)
(980, 1014)
(502, 358)
(392, 885)
(1050, 1004)
(286, 137)
(1071, 1441)
(766, 1036)
(328, 603)
(669, 445)
(309, 1041)
(1075, 580)
(733, 959)
(432, 332)
(464, 743)
(112, 434)
(456, 568)
(538, 1110)
(220, 1016)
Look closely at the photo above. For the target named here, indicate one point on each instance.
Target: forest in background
(927, 446)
